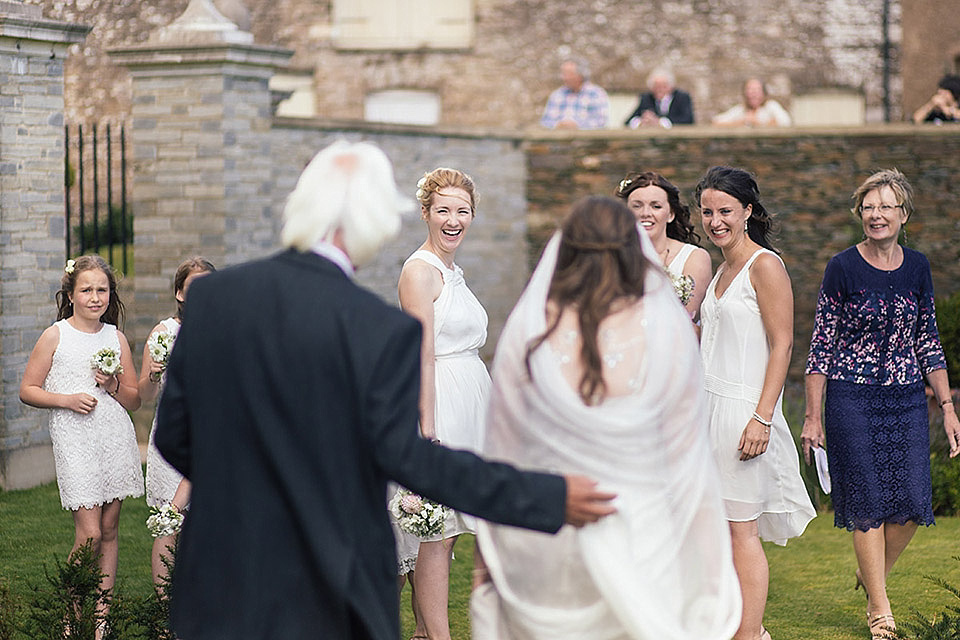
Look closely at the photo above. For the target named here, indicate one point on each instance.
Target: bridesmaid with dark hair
(656, 205)
(747, 341)
(874, 341)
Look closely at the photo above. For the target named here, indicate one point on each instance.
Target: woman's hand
(156, 370)
(754, 440)
(110, 384)
(811, 437)
(952, 426)
(82, 403)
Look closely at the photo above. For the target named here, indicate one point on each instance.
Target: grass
(811, 579)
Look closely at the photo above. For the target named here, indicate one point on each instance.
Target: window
(403, 24)
(403, 106)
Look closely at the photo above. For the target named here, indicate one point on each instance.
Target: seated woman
(598, 371)
(756, 110)
(944, 105)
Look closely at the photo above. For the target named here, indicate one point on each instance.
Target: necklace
(664, 256)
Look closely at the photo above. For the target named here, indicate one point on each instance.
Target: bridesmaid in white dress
(94, 444)
(746, 345)
(165, 485)
(655, 203)
(454, 381)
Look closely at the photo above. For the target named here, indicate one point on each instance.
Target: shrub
(948, 324)
(67, 606)
(945, 626)
(9, 608)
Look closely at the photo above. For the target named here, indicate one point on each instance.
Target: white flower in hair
(421, 183)
(70, 266)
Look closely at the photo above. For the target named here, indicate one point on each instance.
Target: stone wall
(32, 52)
(806, 178)
(493, 255)
(504, 79)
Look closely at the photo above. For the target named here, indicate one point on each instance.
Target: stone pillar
(201, 118)
(32, 223)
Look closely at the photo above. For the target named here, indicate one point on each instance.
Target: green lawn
(811, 579)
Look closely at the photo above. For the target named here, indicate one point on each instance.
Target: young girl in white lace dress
(165, 485)
(94, 444)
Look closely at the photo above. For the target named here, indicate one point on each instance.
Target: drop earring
(746, 226)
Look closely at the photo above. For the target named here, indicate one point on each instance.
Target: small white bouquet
(683, 287)
(416, 514)
(107, 361)
(159, 344)
(164, 521)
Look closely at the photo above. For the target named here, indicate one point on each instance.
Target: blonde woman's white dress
(661, 567)
(96, 454)
(462, 381)
(735, 351)
(162, 479)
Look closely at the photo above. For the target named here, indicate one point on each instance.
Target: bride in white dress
(655, 203)
(597, 372)
(455, 384)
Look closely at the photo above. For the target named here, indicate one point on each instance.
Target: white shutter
(403, 24)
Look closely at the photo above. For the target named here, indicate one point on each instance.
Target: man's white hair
(350, 187)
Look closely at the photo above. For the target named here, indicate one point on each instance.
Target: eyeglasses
(884, 208)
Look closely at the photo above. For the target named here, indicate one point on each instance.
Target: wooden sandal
(881, 626)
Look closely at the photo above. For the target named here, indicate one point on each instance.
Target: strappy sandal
(882, 626)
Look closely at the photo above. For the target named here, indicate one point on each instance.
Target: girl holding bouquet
(81, 368)
(655, 203)
(166, 488)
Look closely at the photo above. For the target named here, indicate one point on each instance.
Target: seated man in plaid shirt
(578, 104)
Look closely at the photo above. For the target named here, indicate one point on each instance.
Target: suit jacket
(679, 112)
(290, 401)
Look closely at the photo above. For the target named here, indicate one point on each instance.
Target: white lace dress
(96, 455)
(162, 479)
(734, 347)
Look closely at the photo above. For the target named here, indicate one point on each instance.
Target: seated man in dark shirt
(663, 105)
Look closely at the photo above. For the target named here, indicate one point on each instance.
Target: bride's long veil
(661, 567)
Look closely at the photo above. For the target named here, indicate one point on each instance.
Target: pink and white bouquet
(417, 515)
(107, 362)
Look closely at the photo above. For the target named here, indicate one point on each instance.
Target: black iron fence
(97, 216)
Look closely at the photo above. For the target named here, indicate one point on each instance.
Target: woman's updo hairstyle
(443, 178)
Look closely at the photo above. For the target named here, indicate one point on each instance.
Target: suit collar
(311, 260)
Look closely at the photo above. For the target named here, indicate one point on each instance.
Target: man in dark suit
(290, 401)
(663, 105)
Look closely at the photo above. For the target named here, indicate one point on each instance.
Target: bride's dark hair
(599, 261)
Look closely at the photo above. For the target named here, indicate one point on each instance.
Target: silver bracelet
(766, 423)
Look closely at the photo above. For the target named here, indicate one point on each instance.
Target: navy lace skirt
(878, 448)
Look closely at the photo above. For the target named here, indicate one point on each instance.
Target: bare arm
(38, 366)
(941, 390)
(149, 383)
(125, 383)
(698, 267)
(775, 299)
(812, 434)
(420, 285)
